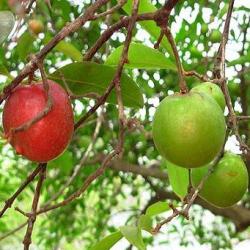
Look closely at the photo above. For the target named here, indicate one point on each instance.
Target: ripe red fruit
(47, 138)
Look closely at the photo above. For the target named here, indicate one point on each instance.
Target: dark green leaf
(89, 77)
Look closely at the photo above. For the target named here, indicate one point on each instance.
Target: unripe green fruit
(189, 130)
(227, 183)
(215, 36)
(213, 90)
(204, 28)
(36, 26)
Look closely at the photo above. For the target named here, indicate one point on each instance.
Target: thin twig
(13, 231)
(32, 216)
(111, 10)
(203, 78)
(182, 82)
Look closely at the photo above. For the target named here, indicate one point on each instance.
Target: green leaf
(107, 242)
(69, 50)
(4, 71)
(178, 178)
(133, 235)
(136, 59)
(7, 22)
(145, 222)
(24, 46)
(157, 208)
(149, 26)
(64, 162)
(89, 77)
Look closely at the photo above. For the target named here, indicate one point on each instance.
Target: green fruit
(215, 36)
(227, 183)
(213, 90)
(204, 28)
(189, 130)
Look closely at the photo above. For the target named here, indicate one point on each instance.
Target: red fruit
(47, 138)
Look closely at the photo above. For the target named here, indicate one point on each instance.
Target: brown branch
(30, 178)
(243, 118)
(32, 216)
(219, 69)
(219, 72)
(111, 10)
(182, 82)
(13, 231)
(203, 78)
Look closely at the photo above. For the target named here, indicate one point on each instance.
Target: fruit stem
(181, 72)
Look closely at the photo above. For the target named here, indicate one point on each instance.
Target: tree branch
(32, 216)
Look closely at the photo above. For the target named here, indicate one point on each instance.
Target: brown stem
(32, 216)
(182, 82)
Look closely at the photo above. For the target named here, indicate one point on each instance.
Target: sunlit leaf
(137, 59)
(89, 77)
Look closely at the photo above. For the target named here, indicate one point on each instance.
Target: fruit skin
(226, 185)
(213, 90)
(36, 26)
(189, 130)
(47, 138)
(215, 36)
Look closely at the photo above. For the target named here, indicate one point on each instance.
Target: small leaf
(145, 222)
(136, 59)
(89, 77)
(133, 235)
(69, 50)
(157, 208)
(178, 178)
(7, 22)
(107, 242)
(24, 46)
